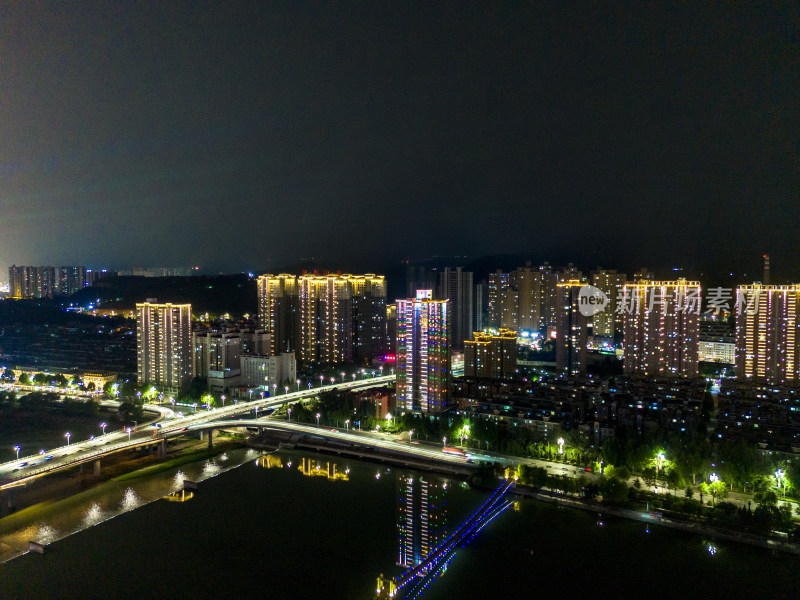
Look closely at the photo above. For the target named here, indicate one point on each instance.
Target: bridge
(414, 582)
(15, 474)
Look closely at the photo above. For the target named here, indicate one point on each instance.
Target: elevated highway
(20, 472)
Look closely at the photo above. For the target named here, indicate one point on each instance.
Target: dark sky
(228, 136)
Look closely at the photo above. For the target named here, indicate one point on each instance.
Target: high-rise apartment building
(326, 318)
(164, 344)
(456, 285)
(768, 333)
(571, 329)
(32, 282)
(491, 356)
(423, 353)
(278, 310)
(370, 330)
(661, 327)
(215, 351)
(606, 323)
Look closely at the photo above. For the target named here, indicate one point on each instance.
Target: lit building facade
(268, 373)
(607, 323)
(767, 333)
(423, 353)
(661, 327)
(327, 318)
(164, 345)
(278, 311)
(491, 356)
(571, 329)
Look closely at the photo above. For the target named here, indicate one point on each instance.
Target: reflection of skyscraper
(422, 518)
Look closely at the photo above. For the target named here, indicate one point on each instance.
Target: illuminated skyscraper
(491, 356)
(661, 327)
(571, 329)
(325, 318)
(278, 311)
(604, 323)
(164, 345)
(422, 518)
(767, 333)
(423, 353)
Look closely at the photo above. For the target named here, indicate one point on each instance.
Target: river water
(298, 525)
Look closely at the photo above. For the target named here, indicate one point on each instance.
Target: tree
(208, 401)
(674, 479)
(24, 379)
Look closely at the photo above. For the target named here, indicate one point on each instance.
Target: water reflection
(92, 515)
(48, 523)
(309, 467)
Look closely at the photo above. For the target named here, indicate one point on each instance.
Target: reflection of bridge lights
(712, 549)
(378, 475)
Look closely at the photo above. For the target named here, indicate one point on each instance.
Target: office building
(423, 353)
(491, 356)
(661, 327)
(767, 333)
(164, 345)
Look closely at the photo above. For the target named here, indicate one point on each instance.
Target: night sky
(247, 136)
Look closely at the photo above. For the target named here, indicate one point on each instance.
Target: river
(298, 525)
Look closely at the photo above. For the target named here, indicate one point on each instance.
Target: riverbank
(123, 466)
(656, 518)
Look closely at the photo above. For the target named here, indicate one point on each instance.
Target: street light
(321, 377)
(250, 391)
(560, 445)
(286, 389)
(354, 377)
(103, 427)
(444, 441)
(67, 435)
(347, 425)
(309, 385)
(779, 475)
(342, 374)
(298, 385)
(223, 400)
(317, 419)
(128, 429)
(274, 389)
(17, 449)
(659, 461)
(289, 411)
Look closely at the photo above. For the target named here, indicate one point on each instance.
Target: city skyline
(538, 130)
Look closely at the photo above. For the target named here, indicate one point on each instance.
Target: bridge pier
(162, 449)
(210, 439)
(9, 501)
(96, 468)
